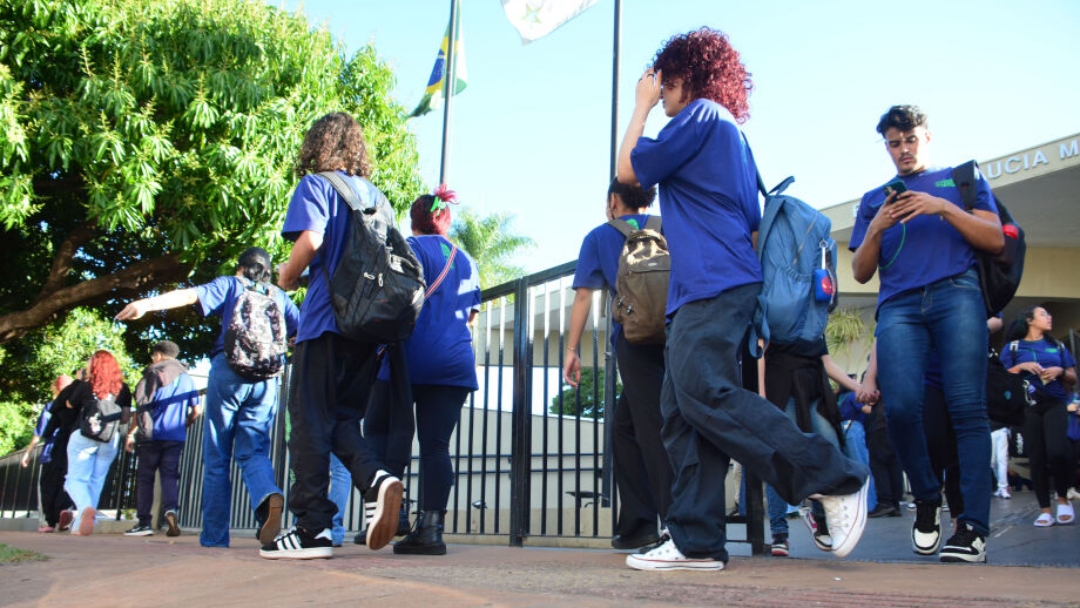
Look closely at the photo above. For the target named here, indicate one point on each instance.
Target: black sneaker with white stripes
(298, 544)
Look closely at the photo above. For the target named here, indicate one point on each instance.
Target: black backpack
(1007, 394)
(377, 289)
(99, 418)
(255, 340)
(999, 275)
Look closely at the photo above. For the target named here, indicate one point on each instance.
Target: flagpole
(615, 87)
(448, 91)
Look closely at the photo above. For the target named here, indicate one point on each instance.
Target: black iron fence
(523, 468)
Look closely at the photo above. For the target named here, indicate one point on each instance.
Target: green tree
(145, 143)
(587, 400)
(32, 363)
(490, 241)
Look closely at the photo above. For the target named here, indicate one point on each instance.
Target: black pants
(331, 384)
(389, 423)
(710, 419)
(53, 497)
(154, 456)
(642, 469)
(1048, 448)
(942, 446)
(885, 466)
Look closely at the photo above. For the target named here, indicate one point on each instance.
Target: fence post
(521, 426)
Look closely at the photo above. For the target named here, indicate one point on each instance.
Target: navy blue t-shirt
(218, 297)
(440, 350)
(598, 260)
(709, 200)
(927, 249)
(1047, 354)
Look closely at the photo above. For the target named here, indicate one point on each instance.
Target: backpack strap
(446, 270)
(622, 226)
(345, 191)
(964, 178)
(654, 223)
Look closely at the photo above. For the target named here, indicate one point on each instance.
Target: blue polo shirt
(927, 249)
(218, 297)
(315, 206)
(598, 260)
(440, 350)
(1047, 354)
(709, 200)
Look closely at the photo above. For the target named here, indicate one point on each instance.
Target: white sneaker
(1003, 493)
(1073, 494)
(846, 518)
(668, 557)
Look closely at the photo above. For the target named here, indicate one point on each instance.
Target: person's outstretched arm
(165, 301)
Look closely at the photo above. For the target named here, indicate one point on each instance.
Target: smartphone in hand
(894, 187)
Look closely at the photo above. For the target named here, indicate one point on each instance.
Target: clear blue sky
(531, 134)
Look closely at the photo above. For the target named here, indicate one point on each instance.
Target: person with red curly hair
(709, 202)
(89, 458)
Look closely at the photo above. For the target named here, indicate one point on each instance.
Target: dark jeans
(888, 475)
(709, 419)
(332, 380)
(438, 411)
(642, 469)
(1048, 448)
(948, 317)
(53, 497)
(154, 456)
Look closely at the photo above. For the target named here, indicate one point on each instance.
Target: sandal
(1045, 520)
(1065, 514)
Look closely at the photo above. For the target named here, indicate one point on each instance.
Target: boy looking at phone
(923, 242)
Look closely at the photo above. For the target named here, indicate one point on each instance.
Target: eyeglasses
(910, 140)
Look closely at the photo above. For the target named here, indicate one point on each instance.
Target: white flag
(537, 18)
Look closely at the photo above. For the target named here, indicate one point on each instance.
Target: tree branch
(134, 279)
(62, 261)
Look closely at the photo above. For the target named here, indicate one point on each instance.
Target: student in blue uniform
(1045, 363)
(239, 412)
(642, 470)
(441, 363)
(922, 244)
(709, 201)
(332, 375)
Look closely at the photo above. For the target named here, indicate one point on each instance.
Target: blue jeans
(239, 414)
(88, 464)
(778, 507)
(709, 419)
(340, 491)
(949, 317)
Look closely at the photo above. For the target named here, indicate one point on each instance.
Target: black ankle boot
(425, 538)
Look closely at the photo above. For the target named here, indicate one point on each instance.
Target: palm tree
(490, 242)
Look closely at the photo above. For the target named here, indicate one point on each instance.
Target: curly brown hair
(708, 67)
(334, 142)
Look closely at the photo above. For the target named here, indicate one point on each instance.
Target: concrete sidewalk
(114, 570)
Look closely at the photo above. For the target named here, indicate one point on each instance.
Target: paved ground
(113, 570)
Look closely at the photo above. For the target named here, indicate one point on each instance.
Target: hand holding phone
(894, 187)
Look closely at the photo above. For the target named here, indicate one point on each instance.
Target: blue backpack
(798, 264)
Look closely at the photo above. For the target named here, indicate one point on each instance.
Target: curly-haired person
(332, 375)
(709, 201)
